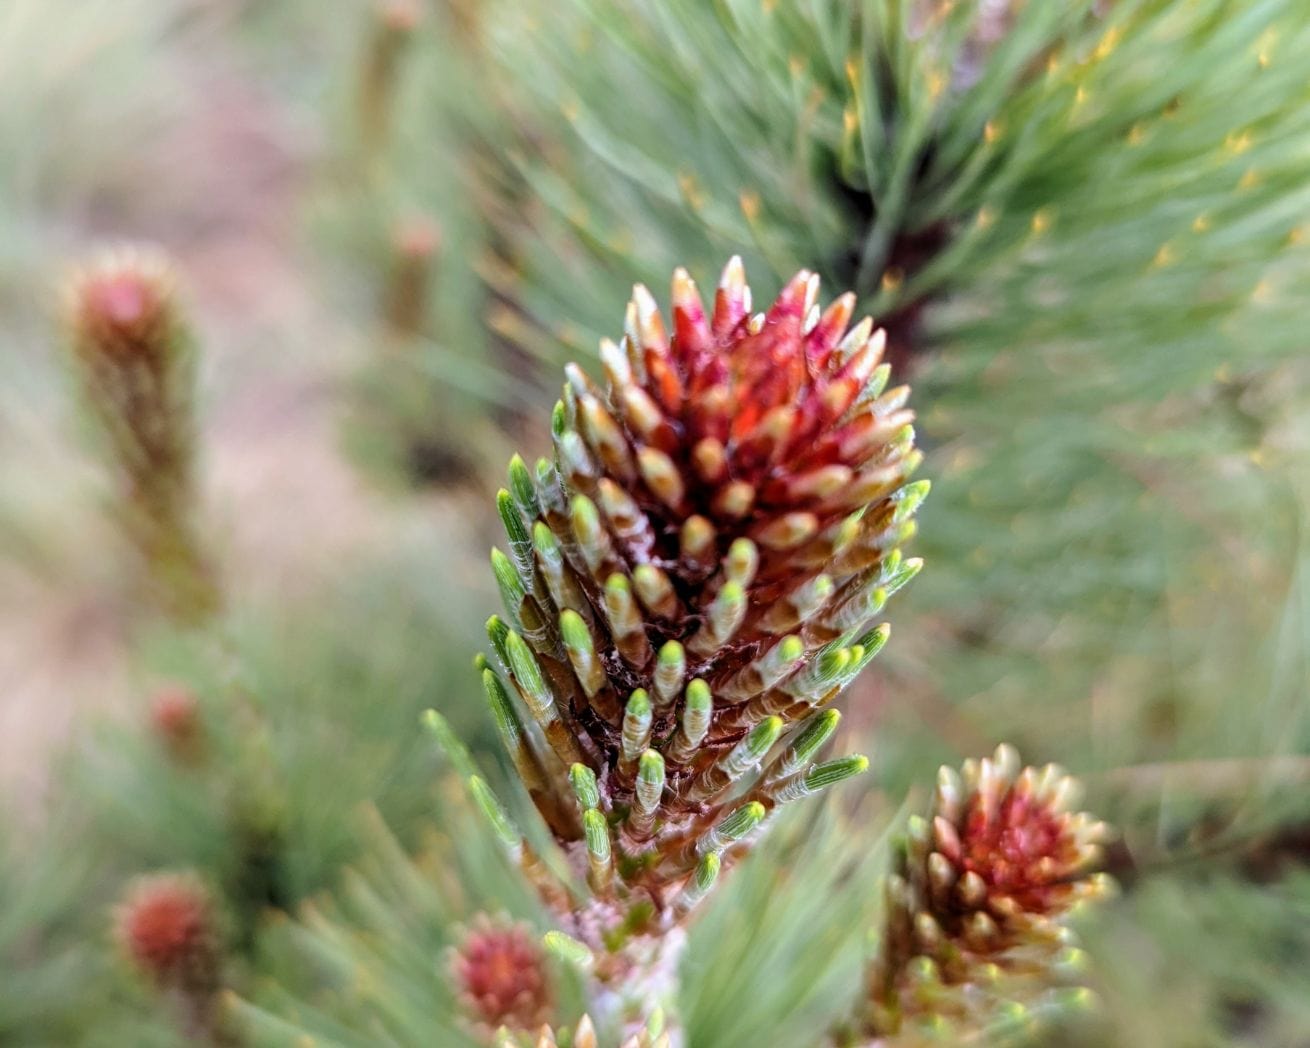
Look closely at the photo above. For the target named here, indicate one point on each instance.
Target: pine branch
(688, 583)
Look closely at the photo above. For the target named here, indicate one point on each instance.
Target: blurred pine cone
(167, 926)
(500, 976)
(133, 356)
(176, 722)
(976, 937)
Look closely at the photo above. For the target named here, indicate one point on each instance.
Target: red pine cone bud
(696, 573)
(500, 975)
(166, 925)
(1012, 844)
(132, 354)
(976, 927)
(175, 718)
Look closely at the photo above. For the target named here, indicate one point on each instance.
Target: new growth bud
(500, 975)
(175, 718)
(690, 580)
(166, 926)
(133, 360)
(981, 900)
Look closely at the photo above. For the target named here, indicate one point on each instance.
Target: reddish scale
(501, 972)
(728, 380)
(761, 371)
(165, 927)
(1006, 851)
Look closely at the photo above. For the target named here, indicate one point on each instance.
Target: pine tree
(1086, 266)
(715, 532)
